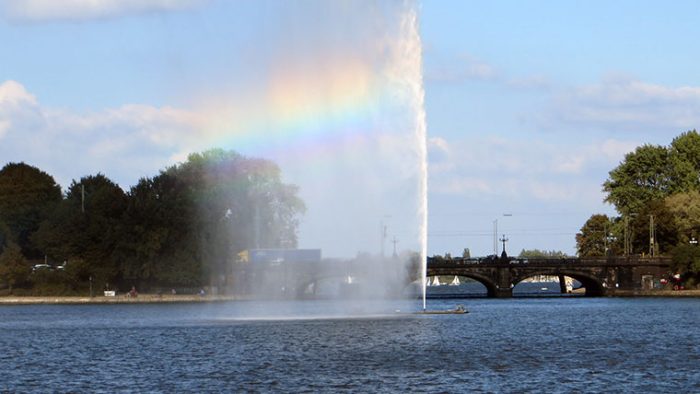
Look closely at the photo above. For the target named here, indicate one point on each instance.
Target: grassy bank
(655, 293)
(119, 299)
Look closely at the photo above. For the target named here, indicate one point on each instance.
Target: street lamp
(693, 241)
(495, 233)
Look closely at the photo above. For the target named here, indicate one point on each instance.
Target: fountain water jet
(411, 47)
(343, 115)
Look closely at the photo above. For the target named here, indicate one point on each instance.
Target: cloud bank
(627, 104)
(489, 166)
(137, 139)
(82, 10)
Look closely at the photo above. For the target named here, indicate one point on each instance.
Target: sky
(529, 105)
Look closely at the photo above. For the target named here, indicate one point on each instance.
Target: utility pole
(382, 236)
(395, 241)
(495, 237)
(605, 238)
(652, 236)
(627, 236)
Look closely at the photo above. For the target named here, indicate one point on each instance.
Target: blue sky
(529, 104)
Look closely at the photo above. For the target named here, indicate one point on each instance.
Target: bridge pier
(562, 284)
(503, 293)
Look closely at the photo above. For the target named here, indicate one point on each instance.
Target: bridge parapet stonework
(599, 276)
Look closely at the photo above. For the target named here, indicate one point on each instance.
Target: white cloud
(16, 105)
(438, 150)
(619, 103)
(77, 144)
(80, 10)
(490, 167)
(13, 93)
(461, 68)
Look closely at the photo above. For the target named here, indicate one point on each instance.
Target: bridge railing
(549, 261)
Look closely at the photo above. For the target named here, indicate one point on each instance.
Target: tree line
(179, 229)
(656, 191)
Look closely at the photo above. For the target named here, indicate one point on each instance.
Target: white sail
(455, 281)
(436, 281)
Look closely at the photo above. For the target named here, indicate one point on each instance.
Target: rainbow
(301, 112)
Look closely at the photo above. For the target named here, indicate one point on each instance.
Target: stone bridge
(599, 276)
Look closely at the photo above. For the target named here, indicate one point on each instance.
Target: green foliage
(27, 196)
(686, 259)
(14, 268)
(684, 160)
(666, 232)
(5, 236)
(536, 253)
(654, 172)
(685, 210)
(593, 240)
(181, 228)
(642, 177)
(54, 282)
(657, 181)
(86, 228)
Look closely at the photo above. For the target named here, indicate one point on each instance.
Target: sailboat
(436, 281)
(455, 281)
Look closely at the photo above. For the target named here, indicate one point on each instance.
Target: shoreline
(193, 298)
(119, 299)
(654, 293)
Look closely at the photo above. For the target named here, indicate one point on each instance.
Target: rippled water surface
(544, 345)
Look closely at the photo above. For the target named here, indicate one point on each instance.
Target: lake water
(515, 345)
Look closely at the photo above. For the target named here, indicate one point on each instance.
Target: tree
(5, 236)
(659, 182)
(654, 172)
(27, 196)
(593, 238)
(187, 224)
(87, 226)
(14, 268)
(685, 210)
(665, 231)
(536, 253)
(684, 160)
(642, 176)
(686, 260)
(241, 203)
(159, 245)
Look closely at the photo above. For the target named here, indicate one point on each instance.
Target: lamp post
(495, 233)
(504, 240)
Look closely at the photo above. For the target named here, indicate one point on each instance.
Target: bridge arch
(594, 287)
(491, 287)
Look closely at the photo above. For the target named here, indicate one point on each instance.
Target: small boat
(455, 281)
(459, 310)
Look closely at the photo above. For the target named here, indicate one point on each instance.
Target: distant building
(259, 256)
